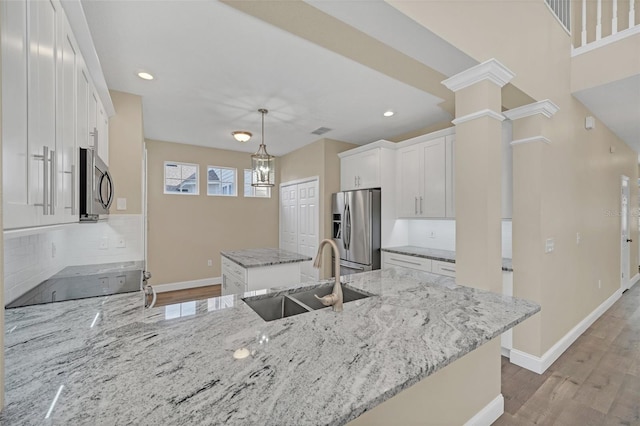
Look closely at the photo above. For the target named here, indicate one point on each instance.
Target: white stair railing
(562, 10)
(618, 30)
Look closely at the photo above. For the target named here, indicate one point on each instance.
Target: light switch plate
(121, 204)
(549, 245)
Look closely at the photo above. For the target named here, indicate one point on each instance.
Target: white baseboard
(161, 288)
(540, 364)
(634, 280)
(489, 413)
(505, 352)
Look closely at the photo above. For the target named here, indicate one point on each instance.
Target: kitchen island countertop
(438, 254)
(252, 258)
(110, 361)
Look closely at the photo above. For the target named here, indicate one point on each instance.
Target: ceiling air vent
(321, 131)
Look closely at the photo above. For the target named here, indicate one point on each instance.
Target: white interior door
(308, 225)
(625, 239)
(289, 218)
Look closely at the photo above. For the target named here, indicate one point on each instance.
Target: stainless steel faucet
(335, 298)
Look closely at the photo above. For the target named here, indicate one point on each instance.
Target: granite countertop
(252, 258)
(110, 360)
(101, 268)
(437, 254)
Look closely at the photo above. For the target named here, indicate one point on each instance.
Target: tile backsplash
(441, 234)
(30, 258)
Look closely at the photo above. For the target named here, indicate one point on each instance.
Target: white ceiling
(215, 66)
(617, 104)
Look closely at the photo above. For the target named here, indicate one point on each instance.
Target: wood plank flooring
(179, 296)
(595, 382)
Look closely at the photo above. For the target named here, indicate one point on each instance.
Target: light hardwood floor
(595, 382)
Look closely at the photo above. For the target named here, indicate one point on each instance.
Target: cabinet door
(409, 181)
(450, 166)
(93, 117)
(432, 202)
(348, 173)
(102, 121)
(18, 205)
(82, 105)
(368, 169)
(66, 172)
(43, 33)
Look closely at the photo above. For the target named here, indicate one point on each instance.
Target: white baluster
(632, 14)
(584, 22)
(614, 20)
(599, 21)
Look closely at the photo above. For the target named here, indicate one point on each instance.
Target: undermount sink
(297, 302)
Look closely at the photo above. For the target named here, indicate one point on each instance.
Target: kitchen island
(254, 269)
(109, 361)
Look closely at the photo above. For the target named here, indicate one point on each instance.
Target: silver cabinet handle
(73, 190)
(416, 205)
(52, 186)
(95, 138)
(45, 178)
(355, 181)
(406, 261)
(448, 270)
(420, 205)
(359, 183)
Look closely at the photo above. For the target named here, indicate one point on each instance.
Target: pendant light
(263, 171)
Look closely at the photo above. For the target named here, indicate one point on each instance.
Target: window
(254, 191)
(180, 178)
(221, 181)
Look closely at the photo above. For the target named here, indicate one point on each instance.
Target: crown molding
(491, 70)
(538, 138)
(544, 107)
(478, 114)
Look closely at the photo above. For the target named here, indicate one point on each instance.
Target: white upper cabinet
(45, 114)
(360, 170)
(425, 179)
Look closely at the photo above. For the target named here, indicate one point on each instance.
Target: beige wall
(184, 231)
(320, 159)
(126, 142)
(580, 177)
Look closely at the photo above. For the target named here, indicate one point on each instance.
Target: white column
(632, 14)
(599, 21)
(614, 20)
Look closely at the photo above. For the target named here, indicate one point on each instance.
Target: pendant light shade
(263, 171)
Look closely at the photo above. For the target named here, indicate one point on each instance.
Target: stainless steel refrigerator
(356, 229)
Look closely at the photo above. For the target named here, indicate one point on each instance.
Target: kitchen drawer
(234, 269)
(232, 285)
(393, 259)
(444, 268)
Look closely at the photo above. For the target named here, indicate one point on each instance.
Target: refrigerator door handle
(344, 227)
(348, 228)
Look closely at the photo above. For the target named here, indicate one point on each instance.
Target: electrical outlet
(209, 262)
(432, 234)
(53, 250)
(121, 243)
(577, 238)
(549, 245)
(104, 243)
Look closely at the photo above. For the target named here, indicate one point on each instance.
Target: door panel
(289, 223)
(409, 185)
(308, 227)
(358, 228)
(433, 203)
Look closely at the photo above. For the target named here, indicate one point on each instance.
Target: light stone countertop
(437, 254)
(110, 361)
(252, 258)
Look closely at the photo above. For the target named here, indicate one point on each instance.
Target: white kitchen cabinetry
(418, 263)
(364, 167)
(425, 181)
(236, 279)
(43, 114)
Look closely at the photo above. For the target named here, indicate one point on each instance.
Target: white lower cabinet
(444, 268)
(237, 279)
(412, 262)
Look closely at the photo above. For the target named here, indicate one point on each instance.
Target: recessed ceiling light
(241, 135)
(388, 113)
(145, 75)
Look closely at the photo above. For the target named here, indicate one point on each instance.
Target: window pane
(252, 191)
(221, 181)
(180, 178)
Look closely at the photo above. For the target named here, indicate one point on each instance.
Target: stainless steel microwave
(96, 186)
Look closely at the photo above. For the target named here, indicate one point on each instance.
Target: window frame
(180, 163)
(253, 188)
(235, 181)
